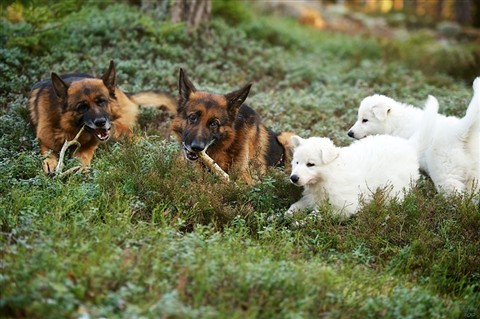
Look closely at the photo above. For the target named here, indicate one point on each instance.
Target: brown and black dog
(230, 132)
(60, 106)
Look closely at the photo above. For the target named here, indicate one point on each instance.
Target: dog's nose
(197, 146)
(350, 133)
(294, 178)
(100, 122)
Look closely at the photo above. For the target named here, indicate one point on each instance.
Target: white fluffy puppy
(344, 174)
(452, 159)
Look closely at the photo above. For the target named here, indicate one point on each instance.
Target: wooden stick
(210, 163)
(66, 145)
(71, 170)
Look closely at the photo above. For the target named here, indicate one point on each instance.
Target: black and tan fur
(230, 131)
(61, 105)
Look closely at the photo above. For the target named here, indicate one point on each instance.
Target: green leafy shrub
(145, 233)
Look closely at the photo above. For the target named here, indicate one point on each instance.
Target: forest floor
(145, 234)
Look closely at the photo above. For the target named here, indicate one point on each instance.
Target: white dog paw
(288, 214)
(315, 216)
(299, 224)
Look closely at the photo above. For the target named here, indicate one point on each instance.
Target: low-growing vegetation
(144, 233)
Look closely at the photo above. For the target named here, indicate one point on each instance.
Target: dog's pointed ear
(236, 98)
(381, 111)
(185, 86)
(296, 141)
(109, 78)
(329, 153)
(59, 86)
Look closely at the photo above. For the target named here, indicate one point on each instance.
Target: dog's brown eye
(214, 124)
(192, 118)
(102, 102)
(364, 120)
(310, 164)
(82, 107)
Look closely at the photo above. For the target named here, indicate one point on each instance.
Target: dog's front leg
(50, 161)
(241, 166)
(85, 154)
(302, 204)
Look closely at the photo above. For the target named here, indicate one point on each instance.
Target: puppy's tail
(423, 138)
(156, 99)
(471, 121)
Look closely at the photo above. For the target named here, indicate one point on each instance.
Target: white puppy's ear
(381, 111)
(328, 154)
(296, 140)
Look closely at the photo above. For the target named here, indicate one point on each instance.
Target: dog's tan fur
(231, 132)
(58, 108)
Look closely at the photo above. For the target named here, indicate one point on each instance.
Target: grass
(145, 234)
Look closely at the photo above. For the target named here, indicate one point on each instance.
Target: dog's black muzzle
(99, 127)
(191, 150)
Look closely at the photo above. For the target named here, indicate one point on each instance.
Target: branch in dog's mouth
(192, 155)
(210, 163)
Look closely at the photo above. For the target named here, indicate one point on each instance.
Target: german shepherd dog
(60, 106)
(230, 132)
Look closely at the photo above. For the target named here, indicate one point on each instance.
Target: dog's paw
(315, 216)
(288, 214)
(299, 224)
(49, 165)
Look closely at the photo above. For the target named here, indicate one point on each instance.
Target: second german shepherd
(60, 106)
(230, 132)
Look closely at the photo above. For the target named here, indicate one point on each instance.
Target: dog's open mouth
(189, 155)
(102, 134)
(192, 155)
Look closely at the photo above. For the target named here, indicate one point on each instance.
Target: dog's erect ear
(296, 141)
(59, 86)
(236, 98)
(381, 111)
(109, 79)
(328, 154)
(185, 86)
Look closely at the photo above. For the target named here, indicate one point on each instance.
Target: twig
(70, 171)
(66, 145)
(207, 160)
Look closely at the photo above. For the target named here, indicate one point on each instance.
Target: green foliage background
(144, 234)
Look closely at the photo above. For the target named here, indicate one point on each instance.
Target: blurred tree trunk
(192, 12)
(411, 6)
(463, 12)
(476, 14)
(439, 13)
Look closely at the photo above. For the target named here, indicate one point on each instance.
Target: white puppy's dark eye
(310, 164)
(364, 120)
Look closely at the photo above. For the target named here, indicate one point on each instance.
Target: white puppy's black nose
(350, 133)
(294, 178)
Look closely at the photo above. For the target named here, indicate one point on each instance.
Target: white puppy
(452, 159)
(343, 174)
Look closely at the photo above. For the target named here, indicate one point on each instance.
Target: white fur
(452, 156)
(343, 174)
